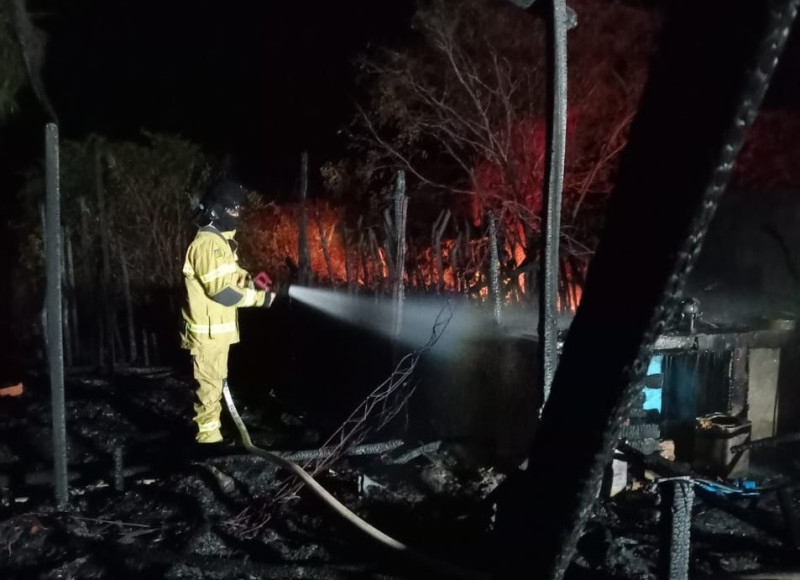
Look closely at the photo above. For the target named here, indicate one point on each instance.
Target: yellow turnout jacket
(216, 287)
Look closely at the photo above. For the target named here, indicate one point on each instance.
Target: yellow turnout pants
(210, 370)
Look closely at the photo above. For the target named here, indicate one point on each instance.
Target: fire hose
(411, 554)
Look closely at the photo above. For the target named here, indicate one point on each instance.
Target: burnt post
(303, 255)
(677, 498)
(398, 286)
(494, 269)
(55, 337)
(556, 20)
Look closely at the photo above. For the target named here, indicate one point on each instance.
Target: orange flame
(271, 232)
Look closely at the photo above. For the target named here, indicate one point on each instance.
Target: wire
(411, 554)
(384, 402)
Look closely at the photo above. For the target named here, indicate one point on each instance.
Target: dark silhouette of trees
(461, 108)
(12, 66)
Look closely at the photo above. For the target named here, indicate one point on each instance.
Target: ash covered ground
(181, 516)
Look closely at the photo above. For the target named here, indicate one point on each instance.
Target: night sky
(259, 80)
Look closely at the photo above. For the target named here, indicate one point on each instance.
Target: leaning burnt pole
(557, 20)
(55, 337)
(556, 23)
(706, 83)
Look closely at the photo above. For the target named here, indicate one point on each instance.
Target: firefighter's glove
(262, 281)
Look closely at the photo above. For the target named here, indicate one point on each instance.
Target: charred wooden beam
(553, 185)
(677, 499)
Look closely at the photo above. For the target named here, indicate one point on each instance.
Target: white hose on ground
(433, 564)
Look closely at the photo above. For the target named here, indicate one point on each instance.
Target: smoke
(376, 314)
(471, 320)
(724, 306)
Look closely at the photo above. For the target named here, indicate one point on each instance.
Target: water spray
(474, 320)
(378, 316)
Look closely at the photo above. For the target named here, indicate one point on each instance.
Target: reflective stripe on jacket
(215, 288)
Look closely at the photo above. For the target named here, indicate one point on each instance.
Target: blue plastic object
(652, 397)
(741, 488)
(656, 365)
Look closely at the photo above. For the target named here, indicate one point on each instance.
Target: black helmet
(222, 203)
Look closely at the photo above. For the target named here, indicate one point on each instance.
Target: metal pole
(55, 340)
(554, 181)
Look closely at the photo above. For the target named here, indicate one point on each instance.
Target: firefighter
(216, 287)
